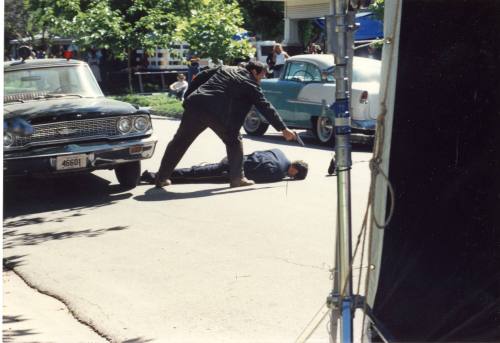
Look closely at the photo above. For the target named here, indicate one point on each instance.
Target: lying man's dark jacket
(266, 166)
(230, 92)
(260, 166)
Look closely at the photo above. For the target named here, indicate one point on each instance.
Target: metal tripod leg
(332, 301)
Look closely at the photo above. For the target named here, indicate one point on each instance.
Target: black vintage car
(57, 120)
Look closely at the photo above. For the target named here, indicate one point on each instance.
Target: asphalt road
(191, 263)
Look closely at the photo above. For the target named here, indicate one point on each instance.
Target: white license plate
(71, 162)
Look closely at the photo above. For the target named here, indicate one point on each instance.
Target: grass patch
(160, 104)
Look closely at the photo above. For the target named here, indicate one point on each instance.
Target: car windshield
(48, 82)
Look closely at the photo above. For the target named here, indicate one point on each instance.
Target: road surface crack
(60, 299)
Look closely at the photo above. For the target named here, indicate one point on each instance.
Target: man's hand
(289, 135)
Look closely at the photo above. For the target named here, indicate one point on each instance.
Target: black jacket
(230, 92)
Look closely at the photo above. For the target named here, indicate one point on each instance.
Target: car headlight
(141, 123)
(124, 125)
(8, 139)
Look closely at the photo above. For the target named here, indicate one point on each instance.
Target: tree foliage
(124, 25)
(50, 17)
(100, 26)
(15, 29)
(210, 29)
(263, 18)
(377, 7)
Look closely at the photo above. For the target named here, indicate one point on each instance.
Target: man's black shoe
(332, 169)
(148, 177)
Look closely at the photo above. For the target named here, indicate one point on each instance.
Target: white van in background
(174, 58)
(262, 49)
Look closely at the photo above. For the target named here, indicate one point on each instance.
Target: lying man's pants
(213, 172)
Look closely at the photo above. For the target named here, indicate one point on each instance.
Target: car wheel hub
(325, 129)
(252, 121)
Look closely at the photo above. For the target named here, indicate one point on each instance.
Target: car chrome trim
(86, 148)
(305, 102)
(79, 130)
(70, 140)
(364, 124)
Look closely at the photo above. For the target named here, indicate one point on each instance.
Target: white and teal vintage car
(305, 90)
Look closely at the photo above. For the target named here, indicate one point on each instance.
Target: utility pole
(341, 26)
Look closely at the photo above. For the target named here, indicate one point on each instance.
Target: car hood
(69, 107)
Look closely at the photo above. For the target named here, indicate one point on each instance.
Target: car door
(283, 92)
(311, 99)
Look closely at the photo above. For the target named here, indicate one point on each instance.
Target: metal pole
(162, 82)
(141, 87)
(341, 42)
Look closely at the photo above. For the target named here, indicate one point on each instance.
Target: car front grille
(70, 130)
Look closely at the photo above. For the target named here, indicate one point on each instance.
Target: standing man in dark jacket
(259, 166)
(220, 99)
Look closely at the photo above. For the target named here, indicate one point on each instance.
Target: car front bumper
(47, 160)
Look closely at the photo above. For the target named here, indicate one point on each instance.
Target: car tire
(324, 130)
(128, 174)
(253, 124)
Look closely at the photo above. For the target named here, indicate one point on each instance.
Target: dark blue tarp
(369, 27)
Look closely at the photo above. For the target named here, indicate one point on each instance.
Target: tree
(377, 7)
(263, 18)
(29, 18)
(210, 29)
(15, 29)
(123, 26)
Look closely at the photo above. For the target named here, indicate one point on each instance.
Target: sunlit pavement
(190, 263)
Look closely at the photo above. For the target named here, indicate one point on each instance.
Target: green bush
(160, 104)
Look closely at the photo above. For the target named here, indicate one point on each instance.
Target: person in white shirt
(94, 61)
(279, 57)
(179, 87)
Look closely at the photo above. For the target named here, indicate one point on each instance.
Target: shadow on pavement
(14, 238)
(138, 340)
(10, 335)
(13, 319)
(12, 262)
(24, 196)
(160, 194)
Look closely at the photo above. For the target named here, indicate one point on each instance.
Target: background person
(259, 166)
(93, 61)
(193, 68)
(279, 57)
(220, 99)
(270, 63)
(179, 87)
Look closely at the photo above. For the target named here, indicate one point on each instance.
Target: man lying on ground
(260, 166)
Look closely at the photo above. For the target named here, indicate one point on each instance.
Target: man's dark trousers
(213, 172)
(194, 122)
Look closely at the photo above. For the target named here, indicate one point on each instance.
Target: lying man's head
(298, 170)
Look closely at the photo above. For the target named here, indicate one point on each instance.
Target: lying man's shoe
(241, 182)
(162, 183)
(148, 177)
